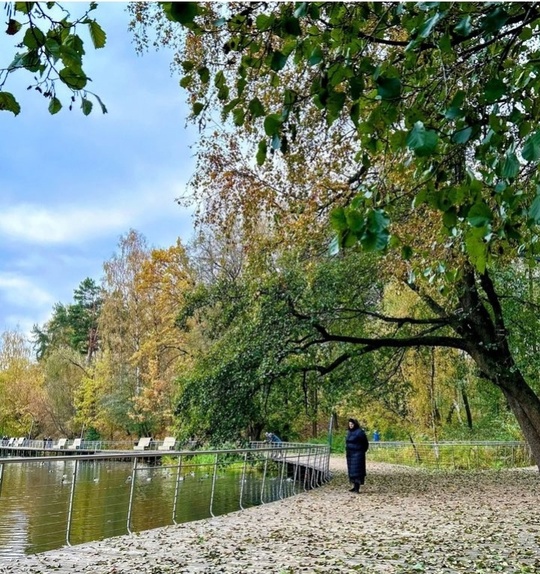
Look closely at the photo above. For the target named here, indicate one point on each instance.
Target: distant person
(273, 438)
(356, 446)
(376, 436)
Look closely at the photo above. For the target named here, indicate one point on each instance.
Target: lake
(35, 499)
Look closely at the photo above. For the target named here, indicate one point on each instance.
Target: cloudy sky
(71, 185)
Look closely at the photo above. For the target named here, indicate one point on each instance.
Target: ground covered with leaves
(403, 521)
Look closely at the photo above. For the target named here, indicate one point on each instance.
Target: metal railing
(455, 455)
(88, 445)
(78, 498)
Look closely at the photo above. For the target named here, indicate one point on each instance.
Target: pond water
(35, 499)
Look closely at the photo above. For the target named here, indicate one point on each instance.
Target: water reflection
(35, 497)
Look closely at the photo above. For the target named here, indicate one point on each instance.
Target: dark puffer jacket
(356, 446)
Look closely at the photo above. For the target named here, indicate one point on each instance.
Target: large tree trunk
(526, 407)
(482, 327)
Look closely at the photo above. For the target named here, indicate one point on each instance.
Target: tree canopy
(411, 127)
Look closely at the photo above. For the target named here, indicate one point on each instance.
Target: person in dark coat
(355, 447)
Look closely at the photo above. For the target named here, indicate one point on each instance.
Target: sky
(72, 185)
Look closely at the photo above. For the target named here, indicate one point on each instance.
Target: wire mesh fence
(454, 455)
(50, 501)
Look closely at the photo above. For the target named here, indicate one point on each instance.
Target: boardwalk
(404, 521)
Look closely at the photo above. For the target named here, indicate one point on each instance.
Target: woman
(356, 446)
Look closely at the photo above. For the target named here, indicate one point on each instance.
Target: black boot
(355, 488)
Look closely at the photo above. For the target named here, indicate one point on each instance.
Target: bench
(168, 443)
(75, 444)
(144, 443)
(62, 443)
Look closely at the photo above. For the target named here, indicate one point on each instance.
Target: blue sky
(71, 185)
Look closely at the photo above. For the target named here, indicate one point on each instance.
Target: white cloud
(22, 291)
(72, 224)
(37, 224)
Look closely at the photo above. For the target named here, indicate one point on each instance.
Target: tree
(21, 388)
(439, 99)
(143, 291)
(74, 325)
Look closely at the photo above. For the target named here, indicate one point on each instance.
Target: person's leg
(356, 487)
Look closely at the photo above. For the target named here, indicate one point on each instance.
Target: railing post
(176, 488)
(296, 469)
(1, 477)
(71, 498)
(213, 485)
(283, 466)
(131, 493)
(242, 481)
(264, 477)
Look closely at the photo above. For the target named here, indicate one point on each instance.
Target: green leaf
(406, 252)
(102, 105)
(53, 47)
(301, 9)
(388, 88)
(494, 90)
(291, 26)
(316, 57)
(338, 219)
(534, 210)
(204, 74)
(256, 109)
(86, 106)
(13, 27)
(423, 142)
(479, 215)
(219, 79)
(24, 7)
(425, 30)
(261, 152)
(531, 149)
(334, 105)
(97, 35)
(355, 220)
(73, 78)
(464, 27)
(264, 22)
(375, 241)
(510, 168)
(334, 247)
(33, 38)
(239, 115)
(495, 20)
(272, 124)
(70, 57)
(198, 107)
(8, 103)
(477, 250)
(182, 12)
(462, 136)
(278, 61)
(377, 221)
(450, 218)
(55, 105)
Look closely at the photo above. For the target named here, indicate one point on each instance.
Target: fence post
(264, 477)
(213, 485)
(283, 466)
(71, 498)
(242, 481)
(131, 493)
(176, 488)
